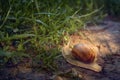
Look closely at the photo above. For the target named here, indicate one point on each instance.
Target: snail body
(84, 53)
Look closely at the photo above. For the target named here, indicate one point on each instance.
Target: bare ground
(107, 38)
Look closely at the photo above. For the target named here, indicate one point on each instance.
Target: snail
(84, 53)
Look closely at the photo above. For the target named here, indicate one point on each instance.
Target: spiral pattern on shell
(84, 53)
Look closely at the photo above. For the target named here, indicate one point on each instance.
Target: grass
(37, 28)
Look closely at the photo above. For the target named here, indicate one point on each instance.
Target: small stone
(58, 78)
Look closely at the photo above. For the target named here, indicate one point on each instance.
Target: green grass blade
(6, 18)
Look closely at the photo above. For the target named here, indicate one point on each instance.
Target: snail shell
(84, 52)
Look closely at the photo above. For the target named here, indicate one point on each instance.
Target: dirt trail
(109, 43)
